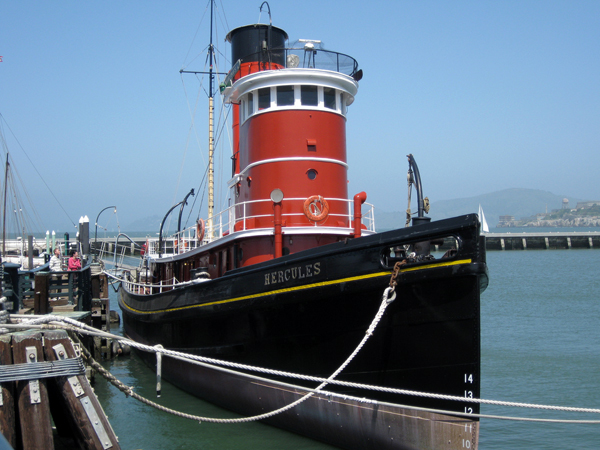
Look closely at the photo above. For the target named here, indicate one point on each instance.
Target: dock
(543, 240)
(46, 401)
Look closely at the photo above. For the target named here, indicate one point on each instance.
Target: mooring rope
(388, 296)
(84, 329)
(386, 300)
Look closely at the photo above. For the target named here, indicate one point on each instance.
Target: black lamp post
(96, 230)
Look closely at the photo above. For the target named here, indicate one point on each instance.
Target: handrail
(317, 59)
(117, 245)
(70, 284)
(224, 223)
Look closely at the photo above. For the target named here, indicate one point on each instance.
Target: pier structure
(542, 240)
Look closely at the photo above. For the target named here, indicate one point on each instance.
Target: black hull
(306, 313)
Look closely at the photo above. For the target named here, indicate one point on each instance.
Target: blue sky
(487, 95)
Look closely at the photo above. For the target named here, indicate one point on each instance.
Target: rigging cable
(39, 174)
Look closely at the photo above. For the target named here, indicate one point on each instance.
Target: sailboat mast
(4, 209)
(211, 199)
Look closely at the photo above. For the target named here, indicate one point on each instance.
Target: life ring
(200, 228)
(316, 208)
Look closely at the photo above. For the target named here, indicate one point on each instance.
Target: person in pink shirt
(74, 261)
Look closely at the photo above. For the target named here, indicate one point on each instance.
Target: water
(541, 344)
(540, 319)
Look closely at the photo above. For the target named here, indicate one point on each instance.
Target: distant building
(583, 205)
(506, 219)
(565, 203)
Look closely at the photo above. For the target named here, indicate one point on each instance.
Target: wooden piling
(32, 395)
(8, 423)
(40, 298)
(76, 401)
(54, 386)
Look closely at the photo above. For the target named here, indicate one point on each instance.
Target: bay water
(540, 343)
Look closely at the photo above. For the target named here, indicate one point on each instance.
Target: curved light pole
(181, 209)
(96, 230)
(182, 204)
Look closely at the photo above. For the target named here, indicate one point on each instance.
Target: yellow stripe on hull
(307, 286)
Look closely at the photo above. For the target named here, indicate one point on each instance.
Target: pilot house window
(329, 98)
(295, 96)
(264, 98)
(250, 104)
(285, 95)
(309, 95)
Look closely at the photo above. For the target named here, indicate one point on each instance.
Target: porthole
(312, 174)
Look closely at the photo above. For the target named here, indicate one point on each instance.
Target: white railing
(225, 222)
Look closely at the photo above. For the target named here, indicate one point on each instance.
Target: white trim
(272, 78)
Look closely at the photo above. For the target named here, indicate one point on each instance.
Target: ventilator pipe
(359, 199)
(276, 198)
(278, 236)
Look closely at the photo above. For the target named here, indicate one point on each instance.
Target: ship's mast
(211, 142)
(211, 187)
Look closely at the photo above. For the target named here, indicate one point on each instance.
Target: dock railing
(72, 288)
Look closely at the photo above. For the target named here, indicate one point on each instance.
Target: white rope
(196, 358)
(386, 299)
(385, 302)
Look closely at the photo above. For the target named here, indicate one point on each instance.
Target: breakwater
(555, 240)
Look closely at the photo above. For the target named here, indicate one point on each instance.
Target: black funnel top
(251, 42)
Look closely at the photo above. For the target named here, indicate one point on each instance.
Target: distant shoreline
(573, 222)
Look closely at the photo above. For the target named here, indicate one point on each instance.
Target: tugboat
(292, 274)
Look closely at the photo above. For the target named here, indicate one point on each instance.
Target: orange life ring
(316, 208)
(200, 228)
